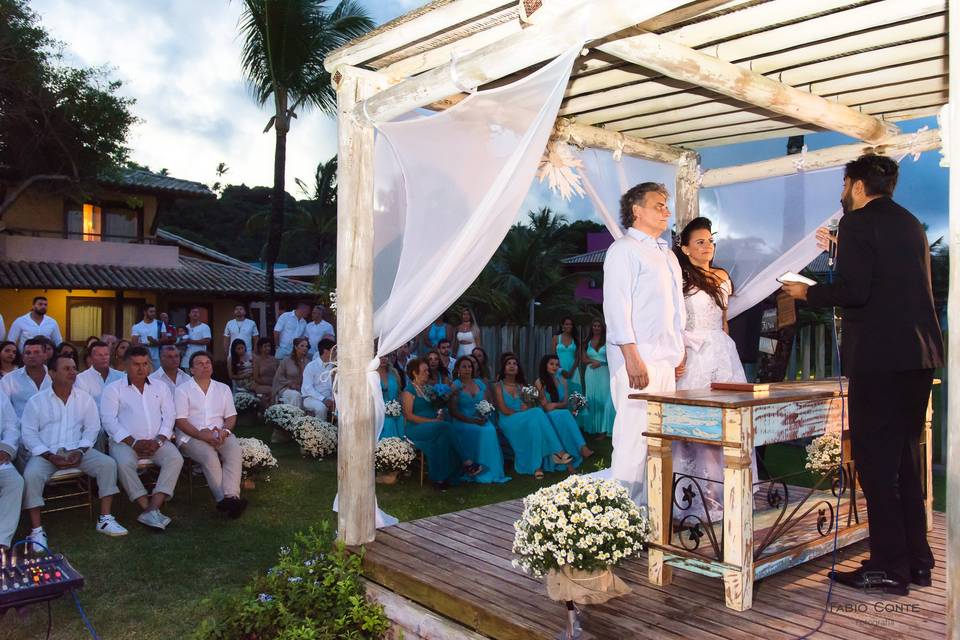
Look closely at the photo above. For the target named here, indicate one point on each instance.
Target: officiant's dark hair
(635, 196)
(694, 278)
(878, 173)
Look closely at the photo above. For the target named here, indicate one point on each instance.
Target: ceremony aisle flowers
(245, 401)
(577, 402)
(485, 409)
(256, 457)
(825, 454)
(393, 456)
(315, 437)
(574, 532)
(282, 416)
(393, 409)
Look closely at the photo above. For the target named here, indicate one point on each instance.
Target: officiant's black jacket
(882, 283)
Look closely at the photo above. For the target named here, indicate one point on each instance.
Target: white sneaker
(165, 519)
(38, 540)
(108, 526)
(152, 518)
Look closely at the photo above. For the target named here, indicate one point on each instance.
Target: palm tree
(284, 44)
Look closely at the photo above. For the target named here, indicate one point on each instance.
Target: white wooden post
(952, 421)
(738, 508)
(355, 469)
(659, 495)
(688, 189)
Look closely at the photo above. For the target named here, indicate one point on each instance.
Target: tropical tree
(284, 44)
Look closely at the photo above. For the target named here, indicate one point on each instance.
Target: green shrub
(313, 593)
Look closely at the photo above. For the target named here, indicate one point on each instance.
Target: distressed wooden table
(766, 526)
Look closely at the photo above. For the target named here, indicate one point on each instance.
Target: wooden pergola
(656, 80)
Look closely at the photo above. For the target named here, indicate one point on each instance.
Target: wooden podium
(766, 526)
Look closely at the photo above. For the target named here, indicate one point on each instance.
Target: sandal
(561, 458)
(538, 474)
(474, 469)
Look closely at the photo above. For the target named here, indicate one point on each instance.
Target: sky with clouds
(180, 60)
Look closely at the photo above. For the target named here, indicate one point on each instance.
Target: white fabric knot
(455, 76)
(912, 146)
(618, 147)
(800, 162)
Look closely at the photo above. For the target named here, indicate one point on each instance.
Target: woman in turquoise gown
(553, 398)
(568, 351)
(390, 388)
(477, 435)
(435, 333)
(431, 434)
(596, 383)
(528, 430)
(438, 374)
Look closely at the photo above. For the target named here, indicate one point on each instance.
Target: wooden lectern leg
(659, 495)
(737, 513)
(928, 462)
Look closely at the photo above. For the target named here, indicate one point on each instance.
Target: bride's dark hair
(695, 278)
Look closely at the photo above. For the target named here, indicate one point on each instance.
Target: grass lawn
(151, 585)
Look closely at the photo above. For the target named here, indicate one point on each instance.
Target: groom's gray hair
(635, 196)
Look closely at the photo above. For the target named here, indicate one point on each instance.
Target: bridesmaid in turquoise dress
(390, 388)
(527, 429)
(553, 398)
(477, 436)
(435, 333)
(597, 383)
(568, 351)
(430, 433)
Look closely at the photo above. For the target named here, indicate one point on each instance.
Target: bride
(711, 357)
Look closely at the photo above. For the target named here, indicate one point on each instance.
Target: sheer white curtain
(767, 227)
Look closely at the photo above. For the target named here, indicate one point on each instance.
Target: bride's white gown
(711, 357)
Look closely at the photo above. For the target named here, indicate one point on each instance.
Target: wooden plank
(784, 421)
(778, 392)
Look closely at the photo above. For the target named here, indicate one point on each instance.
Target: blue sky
(180, 60)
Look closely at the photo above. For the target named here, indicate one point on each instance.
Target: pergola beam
(688, 65)
(928, 140)
(586, 136)
(559, 25)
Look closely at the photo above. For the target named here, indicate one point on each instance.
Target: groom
(644, 312)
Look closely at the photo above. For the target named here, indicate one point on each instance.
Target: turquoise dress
(435, 440)
(530, 434)
(437, 333)
(597, 391)
(392, 426)
(478, 442)
(568, 355)
(567, 430)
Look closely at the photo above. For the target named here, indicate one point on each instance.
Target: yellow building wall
(38, 211)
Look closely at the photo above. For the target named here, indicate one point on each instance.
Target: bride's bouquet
(485, 409)
(576, 402)
(530, 395)
(393, 409)
(825, 454)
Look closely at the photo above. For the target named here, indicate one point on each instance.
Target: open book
(790, 276)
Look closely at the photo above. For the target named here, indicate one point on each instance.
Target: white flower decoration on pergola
(559, 166)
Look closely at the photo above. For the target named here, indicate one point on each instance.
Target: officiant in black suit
(890, 345)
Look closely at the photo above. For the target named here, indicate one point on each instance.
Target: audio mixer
(27, 579)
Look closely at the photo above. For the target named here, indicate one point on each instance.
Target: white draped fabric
(765, 228)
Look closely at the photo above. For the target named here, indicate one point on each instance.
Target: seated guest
(205, 420)
(120, 350)
(9, 357)
(438, 372)
(289, 377)
(390, 386)
(138, 415)
(23, 384)
(11, 484)
(264, 370)
(317, 387)
(554, 395)
(446, 359)
(58, 428)
(170, 372)
(49, 349)
(85, 354)
(481, 355)
(240, 366)
(477, 435)
(100, 373)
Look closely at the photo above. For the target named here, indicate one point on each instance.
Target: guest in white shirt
(170, 372)
(318, 329)
(290, 325)
(138, 414)
(150, 333)
(100, 374)
(644, 311)
(241, 328)
(28, 381)
(205, 421)
(11, 483)
(36, 323)
(198, 338)
(317, 387)
(58, 429)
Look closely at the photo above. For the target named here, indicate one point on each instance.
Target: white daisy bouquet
(485, 409)
(283, 416)
(393, 409)
(576, 402)
(581, 523)
(825, 454)
(245, 401)
(394, 454)
(256, 455)
(530, 395)
(315, 437)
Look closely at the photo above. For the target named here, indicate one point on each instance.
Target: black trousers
(887, 413)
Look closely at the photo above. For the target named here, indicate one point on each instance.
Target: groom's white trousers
(629, 462)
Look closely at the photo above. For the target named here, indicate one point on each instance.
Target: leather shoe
(920, 577)
(866, 580)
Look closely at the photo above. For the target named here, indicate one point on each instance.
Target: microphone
(832, 227)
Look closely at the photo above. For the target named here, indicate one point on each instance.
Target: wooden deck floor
(459, 565)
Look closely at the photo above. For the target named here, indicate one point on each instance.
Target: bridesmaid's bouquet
(485, 409)
(392, 409)
(577, 402)
(530, 395)
(438, 395)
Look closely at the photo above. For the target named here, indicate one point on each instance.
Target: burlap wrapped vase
(584, 587)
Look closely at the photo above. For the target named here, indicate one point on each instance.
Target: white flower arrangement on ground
(283, 416)
(394, 455)
(825, 454)
(577, 402)
(256, 455)
(393, 409)
(582, 523)
(316, 438)
(245, 401)
(485, 409)
(530, 395)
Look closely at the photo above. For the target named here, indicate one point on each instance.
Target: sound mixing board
(26, 579)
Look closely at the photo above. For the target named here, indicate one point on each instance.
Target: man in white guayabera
(643, 308)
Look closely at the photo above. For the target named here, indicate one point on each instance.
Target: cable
(49, 620)
(83, 615)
